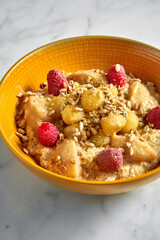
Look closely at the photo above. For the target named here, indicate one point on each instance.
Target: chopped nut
(81, 91)
(132, 137)
(141, 124)
(111, 85)
(122, 149)
(78, 109)
(20, 112)
(103, 111)
(89, 144)
(142, 139)
(22, 123)
(76, 102)
(128, 103)
(43, 85)
(25, 151)
(88, 133)
(79, 153)
(61, 136)
(70, 101)
(81, 126)
(131, 151)
(62, 93)
(61, 123)
(76, 139)
(62, 107)
(136, 106)
(71, 82)
(128, 144)
(119, 88)
(92, 91)
(76, 134)
(23, 138)
(70, 88)
(146, 129)
(82, 143)
(20, 130)
(83, 136)
(19, 95)
(63, 89)
(151, 125)
(72, 160)
(30, 93)
(75, 85)
(51, 113)
(26, 99)
(57, 158)
(93, 131)
(96, 120)
(89, 86)
(131, 75)
(137, 79)
(100, 94)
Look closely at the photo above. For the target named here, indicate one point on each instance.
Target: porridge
(91, 125)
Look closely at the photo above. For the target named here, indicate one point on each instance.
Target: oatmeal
(91, 125)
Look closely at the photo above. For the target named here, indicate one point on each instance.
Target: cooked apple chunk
(131, 124)
(138, 94)
(140, 151)
(56, 104)
(68, 159)
(72, 115)
(89, 76)
(113, 123)
(36, 111)
(118, 140)
(92, 99)
(71, 129)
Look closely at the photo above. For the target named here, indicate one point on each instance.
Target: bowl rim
(45, 171)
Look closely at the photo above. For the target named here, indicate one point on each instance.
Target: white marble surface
(31, 209)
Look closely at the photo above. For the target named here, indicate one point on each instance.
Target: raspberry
(110, 159)
(116, 75)
(153, 117)
(56, 81)
(48, 134)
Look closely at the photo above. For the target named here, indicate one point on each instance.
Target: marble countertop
(31, 209)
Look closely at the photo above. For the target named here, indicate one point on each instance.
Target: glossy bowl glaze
(70, 55)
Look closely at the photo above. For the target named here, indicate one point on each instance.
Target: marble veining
(31, 209)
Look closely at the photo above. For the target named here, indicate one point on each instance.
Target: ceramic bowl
(70, 55)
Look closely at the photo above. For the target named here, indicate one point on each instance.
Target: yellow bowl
(70, 55)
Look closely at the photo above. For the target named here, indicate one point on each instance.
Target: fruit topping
(116, 75)
(48, 134)
(56, 82)
(110, 159)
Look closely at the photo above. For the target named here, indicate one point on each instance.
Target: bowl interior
(71, 55)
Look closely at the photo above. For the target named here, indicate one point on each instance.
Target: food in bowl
(91, 125)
